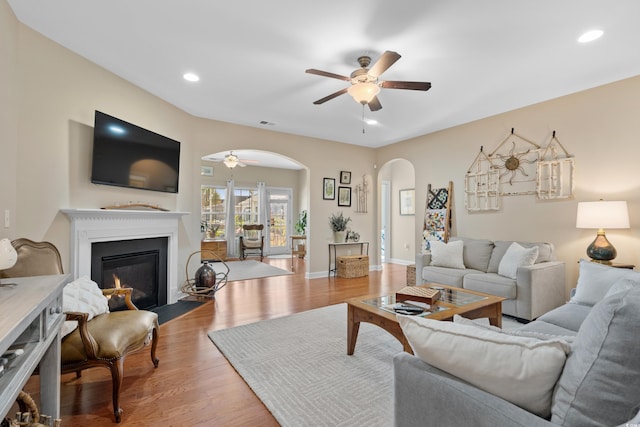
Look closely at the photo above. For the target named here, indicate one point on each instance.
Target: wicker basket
(28, 406)
(350, 266)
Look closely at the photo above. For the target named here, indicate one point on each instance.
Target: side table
(298, 247)
(217, 246)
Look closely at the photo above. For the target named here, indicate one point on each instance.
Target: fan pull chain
(363, 122)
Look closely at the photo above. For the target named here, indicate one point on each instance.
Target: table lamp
(600, 215)
(8, 255)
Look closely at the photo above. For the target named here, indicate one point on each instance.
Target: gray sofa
(599, 384)
(537, 289)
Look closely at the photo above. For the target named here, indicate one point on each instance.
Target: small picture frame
(408, 201)
(206, 170)
(329, 189)
(345, 177)
(344, 196)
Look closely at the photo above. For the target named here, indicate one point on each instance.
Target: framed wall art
(344, 196)
(206, 170)
(329, 189)
(345, 177)
(408, 202)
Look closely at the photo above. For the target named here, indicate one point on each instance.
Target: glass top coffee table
(379, 311)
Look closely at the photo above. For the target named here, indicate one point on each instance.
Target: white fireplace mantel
(104, 225)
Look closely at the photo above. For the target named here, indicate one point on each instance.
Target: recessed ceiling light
(190, 77)
(590, 36)
(371, 121)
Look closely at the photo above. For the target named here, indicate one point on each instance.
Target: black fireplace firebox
(140, 264)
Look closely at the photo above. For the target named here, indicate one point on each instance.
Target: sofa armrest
(423, 393)
(422, 260)
(540, 288)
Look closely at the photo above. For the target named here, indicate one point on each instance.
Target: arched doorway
(397, 230)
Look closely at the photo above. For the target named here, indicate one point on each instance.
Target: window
(212, 216)
(246, 207)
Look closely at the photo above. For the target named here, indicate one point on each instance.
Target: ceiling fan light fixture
(363, 93)
(231, 161)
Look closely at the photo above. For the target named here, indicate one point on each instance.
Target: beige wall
(600, 127)
(50, 126)
(46, 117)
(8, 116)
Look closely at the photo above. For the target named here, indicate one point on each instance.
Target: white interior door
(385, 220)
(279, 224)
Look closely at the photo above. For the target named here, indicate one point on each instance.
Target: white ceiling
(482, 57)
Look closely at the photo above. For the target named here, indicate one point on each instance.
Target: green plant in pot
(301, 224)
(338, 223)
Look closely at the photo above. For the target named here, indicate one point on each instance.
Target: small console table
(31, 319)
(333, 249)
(298, 247)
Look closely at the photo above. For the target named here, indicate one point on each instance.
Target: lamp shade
(8, 254)
(602, 214)
(363, 92)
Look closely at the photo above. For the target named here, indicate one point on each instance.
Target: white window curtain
(263, 211)
(230, 221)
(263, 205)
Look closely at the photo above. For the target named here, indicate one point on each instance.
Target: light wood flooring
(194, 385)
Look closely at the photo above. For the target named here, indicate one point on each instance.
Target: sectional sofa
(480, 265)
(596, 383)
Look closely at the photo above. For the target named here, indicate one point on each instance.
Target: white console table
(31, 319)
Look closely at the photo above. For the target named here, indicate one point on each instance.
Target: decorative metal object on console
(207, 281)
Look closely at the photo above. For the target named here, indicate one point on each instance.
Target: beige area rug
(298, 366)
(251, 269)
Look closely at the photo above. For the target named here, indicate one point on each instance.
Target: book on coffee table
(418, 293)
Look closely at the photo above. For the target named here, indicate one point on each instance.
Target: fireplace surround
(89, 226)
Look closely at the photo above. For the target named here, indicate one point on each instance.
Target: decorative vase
(205, 276)
(339, 236)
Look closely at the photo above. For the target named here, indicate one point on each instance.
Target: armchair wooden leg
(154, 344)
(117, 369)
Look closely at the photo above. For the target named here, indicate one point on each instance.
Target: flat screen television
(126, 155)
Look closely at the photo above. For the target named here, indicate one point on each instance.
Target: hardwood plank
(194, 384)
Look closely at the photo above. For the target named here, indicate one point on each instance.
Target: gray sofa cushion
(601, 378)
(445, 276)
(568, 316)
(545, 253)
(476, 252)
(491, 283)
(541, 327)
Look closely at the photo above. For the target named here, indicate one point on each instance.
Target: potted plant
(301, 225)
(338, 223)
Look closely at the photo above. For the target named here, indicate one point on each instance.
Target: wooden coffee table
(371, 309)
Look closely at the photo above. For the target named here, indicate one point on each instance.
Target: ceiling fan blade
(406, 85)
(374, 104)
(327, 74)
(383, 63)
(330, 97)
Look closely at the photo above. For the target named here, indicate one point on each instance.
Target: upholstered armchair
(252, 240)
(100, 339)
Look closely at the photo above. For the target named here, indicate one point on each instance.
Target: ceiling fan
(230, 160)
(365, 83)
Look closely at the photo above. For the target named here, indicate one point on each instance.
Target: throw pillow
(515, 257)
(594, 280)
(85, 296)
(624, 283)
(601, 378)
(521, 370)
(447, 254)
